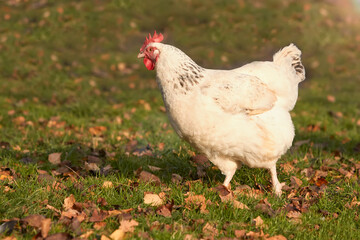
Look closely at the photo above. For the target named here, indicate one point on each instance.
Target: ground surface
(86, 147)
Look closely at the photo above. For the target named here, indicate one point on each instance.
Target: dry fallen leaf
(258, 222)
(162, 109)
(106, 170)
(102, 201)
(107, 184)
(197, 201)
(92, 167)
(59, 236)
(97, 130)
(296, 182)
(319, 173)
(153, 199)
(19, 120)
(57, 186)
(210, 229)
(6, 145)
(71, 213)
(227, 196)
(69, 202)
(240, 233)
(128, 225)
(45, 227)
(103, 237)
(248, 191)
(265, 209)
(118, 234)
(86, 235)
(99, 225)
(156, 225)
(161, 146)
(222, 190)
(55, 158)
(287, 167)
(112, 213)
(98, 216)
(331, 98)
(131, 146)
(154, 168)
(34, 220)
(277, 237)
(346, 173)
(165, 210)
(5, 174)
(9, 238)
(53, 209)
(189, 237)
(75, 226)
(94, 159)
(256, 235)
(321, 181)
(308, 172)
(81, 216)
(295, 216)
(238, 204)
(149, 177)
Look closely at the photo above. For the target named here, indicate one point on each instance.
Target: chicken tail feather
(291, 55)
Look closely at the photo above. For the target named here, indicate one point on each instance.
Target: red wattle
(149, 64)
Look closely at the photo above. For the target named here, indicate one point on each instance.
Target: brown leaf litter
(196, 202)
(244, 234)
(165, 210)
(55, 158)
(147, 177)
(265, 207)
(228, 196)
(154, 199)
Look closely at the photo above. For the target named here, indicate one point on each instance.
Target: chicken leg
(275, 181)
(228, 176)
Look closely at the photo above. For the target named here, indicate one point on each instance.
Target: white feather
(235, 117)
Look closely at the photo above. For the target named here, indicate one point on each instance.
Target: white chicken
(234, 117)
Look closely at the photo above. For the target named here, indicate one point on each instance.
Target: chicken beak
(141, 55)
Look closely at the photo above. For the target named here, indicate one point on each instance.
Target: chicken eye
(151, 49)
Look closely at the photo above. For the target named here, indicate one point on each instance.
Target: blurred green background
(78, 58)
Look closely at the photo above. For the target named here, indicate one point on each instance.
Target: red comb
(155, 38)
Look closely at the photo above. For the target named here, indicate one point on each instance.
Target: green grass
(69, 66)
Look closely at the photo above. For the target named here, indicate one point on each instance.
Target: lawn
(86, 150)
